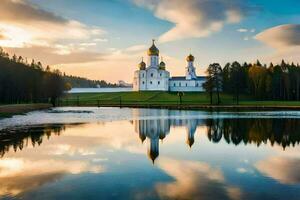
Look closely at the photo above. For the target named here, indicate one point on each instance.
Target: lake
(100, 90)
(113, 153)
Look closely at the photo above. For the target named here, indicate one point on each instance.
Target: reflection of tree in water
(284, 132)
(20, 138)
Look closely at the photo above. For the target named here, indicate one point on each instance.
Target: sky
(106, 39)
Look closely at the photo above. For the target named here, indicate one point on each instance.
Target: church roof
(162, 66)
(178, 78)
(142, 65)
(153, 155)
(190, 141)
(190, 58)
(153, 50)
(182, 78)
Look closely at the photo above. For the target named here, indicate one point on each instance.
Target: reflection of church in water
(155, 129)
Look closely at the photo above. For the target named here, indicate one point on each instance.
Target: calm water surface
(111, 153)
(99, 90)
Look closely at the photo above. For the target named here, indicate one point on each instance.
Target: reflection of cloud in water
(66, 149)
(18, 175)
(15, 185)
(194, 180)
(284, 170)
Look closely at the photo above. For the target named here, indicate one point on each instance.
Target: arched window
(151, 82)
(179, 84)
(158, 82)
(174, 84)
(186, 85)
(151, 74)
(143, 82)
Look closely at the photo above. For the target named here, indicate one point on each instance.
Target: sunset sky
(105, 39)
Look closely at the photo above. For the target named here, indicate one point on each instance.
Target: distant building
(155, 77)
(124, 84)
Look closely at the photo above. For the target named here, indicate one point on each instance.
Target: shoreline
(7, 111)
(200, 107)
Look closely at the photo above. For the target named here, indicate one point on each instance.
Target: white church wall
(186, 85)
(151, 79)
(153, 61)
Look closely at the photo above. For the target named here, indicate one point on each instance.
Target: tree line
(282, 132)
(18, 139)
(261, 81)
(23, 82)
(79, 82)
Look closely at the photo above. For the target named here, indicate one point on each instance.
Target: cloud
(100, 40)
(2, 37)
(194, 18)
(31, 176)
(285, 40)
(135, 48)
(24, 24)
(34, 33)
(197, 180)
(88, 44)
(284, 170)
(242, 30)
(21, 12)
(57, 55)
(282, 36)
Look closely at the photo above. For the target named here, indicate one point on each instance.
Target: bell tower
(153, 54)
(190, 70)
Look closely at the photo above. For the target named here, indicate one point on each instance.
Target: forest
(261, 81)
(21, 82)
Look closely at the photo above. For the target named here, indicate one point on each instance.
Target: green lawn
(161, 99)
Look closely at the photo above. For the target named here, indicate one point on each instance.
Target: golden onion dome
(142, 65)
(190, 142)
(153, 155)
(162, 136)
(162, 66)
(153, 50)
(190, 58)
(142, 137)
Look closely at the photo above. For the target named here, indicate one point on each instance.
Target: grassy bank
(10, 110)
(171, 100)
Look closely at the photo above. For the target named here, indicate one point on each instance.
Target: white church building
(155, 77)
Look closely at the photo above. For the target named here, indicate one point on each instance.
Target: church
(154, 76)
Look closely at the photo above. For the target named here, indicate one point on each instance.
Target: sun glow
(14, 36)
